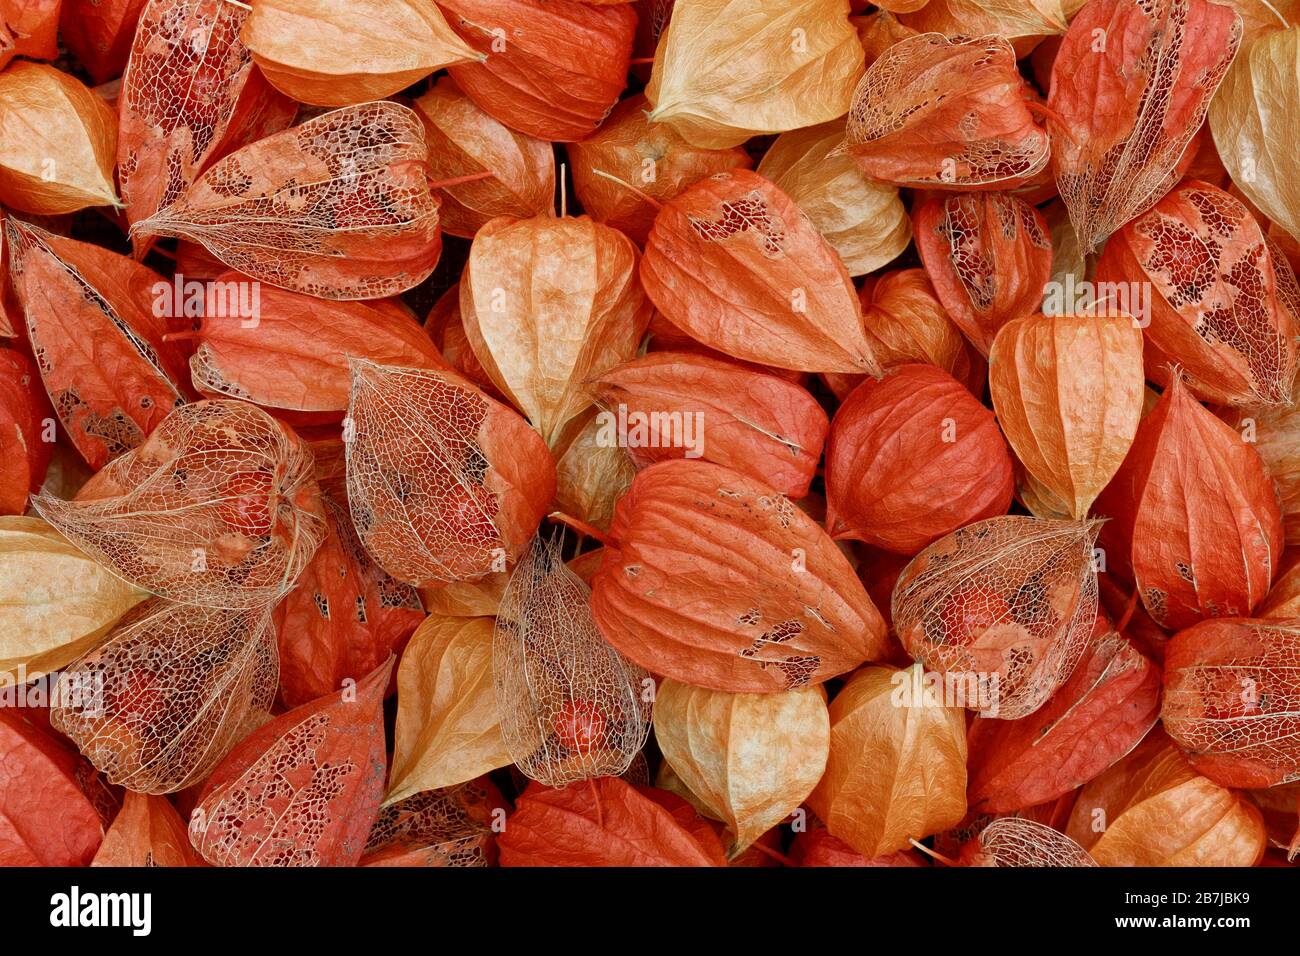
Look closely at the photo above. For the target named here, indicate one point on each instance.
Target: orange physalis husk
(550, 69)
(751, 759)
(449, 827)
(716, 579)
(57, 142)
(174, 687)
(1153, 809)
(1232, 699)
(1006, 606)
(817, 847)
(592, 473)
(338, 207)
(341, 52)
(571, 707)
(911, 458)
(988, 255)
(218, 507)
(733, 262)
(1130, 87)
(946, 114)
(1011, 841)
(444, 483)
(879, 31)
(725, 71)
(465, 141)
(99, 33)
(603, 822)
(547, 303)
(99, 345)
(897, 765)
(29, 28)
(146, 832)
(1224, 305)
(675, 405)
(1068, 393)
(652, 156)
(343, 618)
(1195, 520)
(302, 790)
(1025, 23)
(1283, 599)
(1274, 431)
(25, 431)
(443, 324)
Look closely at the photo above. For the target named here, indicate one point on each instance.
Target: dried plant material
(1068, 393)
(878, 31)
(448, 729)
(1153, 809)
(988, 255)
(1011, 841)
(1195, 521)
(1264, 16)
(1225, 304)
(550, 69)
(1274, 432)
(752, 759)
(338, 207)
(479, 598)
(344, 617)
(1232, 700)
(651, 156)
(591, 474)
(864, 221)
(946, 114)
(465, 141)
(725, 70)
(734, 263)
(302, 790)
(444, 326)
(897, 766)
(1283, 599)
(571, 707)
(817, 847)
(57, 142)
(602, 822)
(547, 303)
(444, 483)
(28, 28)
(1006, 605)
(715, 579)
(218, 507)
(99, 33)
(675, 404)
(911, 458)
(1024, 22)
(46, 818)
(26, 431)
(1131, 85)
(147, 831)
(1100, 714)
(55, 601)
(341, 52)
(452, 827)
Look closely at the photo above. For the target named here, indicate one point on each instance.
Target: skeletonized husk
(1010, 841)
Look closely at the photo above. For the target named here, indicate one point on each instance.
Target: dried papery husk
(547, 303)
(1153, 809)
(752, 759)
(1010, 841)
(302, 790)
(725, 70)
(294, 354)
(734, 263)
(717, 580)
(1264, 16)
(663, 336)
(1011, 599)
(29, 28)
(1024, 22)
(1232, 699)
(897, 765)
(1131, 85)
(551, 69)
(878, 31)
(946, 114)
(99, 33)
(1224, 305)
(911, 458)
(218, 507)
(603, 822)
(341, 52)
(1283, 599)
(26, 431)
(1195, 520)
(1069, 265)
(479, 598)
(864, 221)
(338, 207)
(451, 827)
(675, 404)
(653, 157)
(444, 326)
(57, 142)
(1280, 806)
(1274, 431)
(146, 832)
(988, 255)
(448, 729)
(591, 474)
(465, 141)
(157, 705)
(343, 618)
(444, 483)
(1068, 394)
(571, 707)
(55, 601)
(817, 847)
